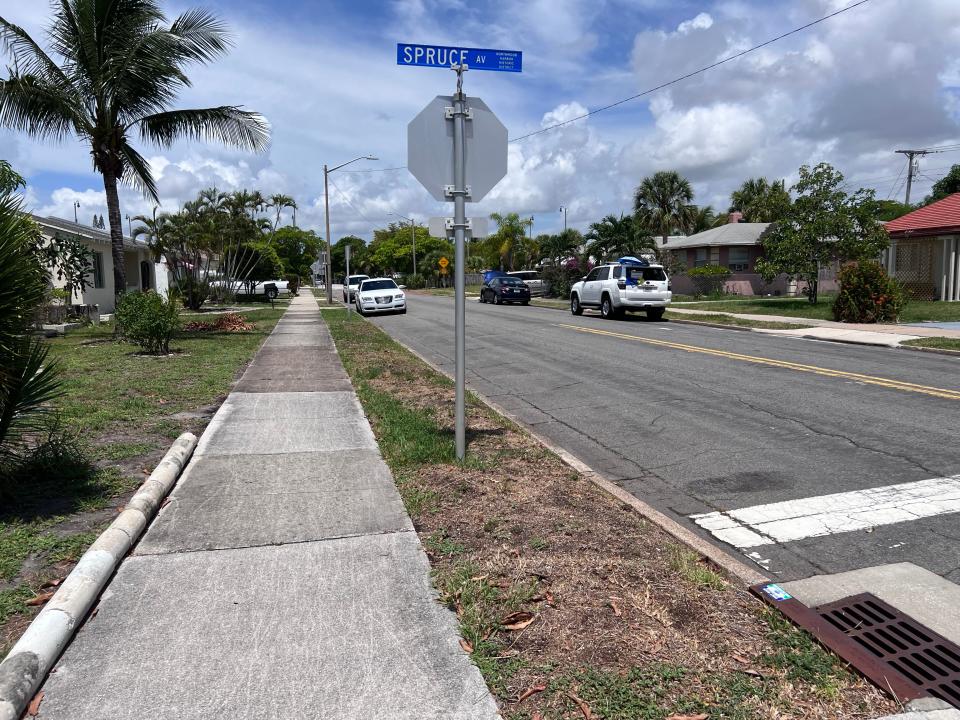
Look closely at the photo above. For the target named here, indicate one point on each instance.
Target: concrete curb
(937, 351)
(732, 565)
(27, 665)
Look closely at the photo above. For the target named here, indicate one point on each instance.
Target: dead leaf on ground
(550, 601)
(531, 691)
(752, 672)
(53, 583)
(585, 709)
(517, 620)
(537, 716)
(34, 707)
(740, 659)
(701, 716)
(613, 606)
(166, 501)
(465, 644)
(39, 599)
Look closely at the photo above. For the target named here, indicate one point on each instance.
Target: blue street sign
(439, 56)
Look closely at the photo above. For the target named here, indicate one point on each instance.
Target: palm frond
(137, 172)
(30, 384)
(227, 124)
(29, 104)
(28, 57)
(202, 36)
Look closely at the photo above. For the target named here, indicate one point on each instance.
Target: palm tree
(614, 237)
(702, 218)
(152, 229)
(662, 203)
(511, 230)
(279, 202)
(120, 70)
(761, 201)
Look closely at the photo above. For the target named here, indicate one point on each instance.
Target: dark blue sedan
(501, 290)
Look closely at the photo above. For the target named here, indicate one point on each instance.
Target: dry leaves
(465, 644)
(40, 599)
(34, 707)
(517, 620)
(584, 708)
(230, 322)
(531, 691)
(613, 606)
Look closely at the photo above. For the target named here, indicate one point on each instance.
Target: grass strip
(733, 320)
(940, 343)
(563, 595)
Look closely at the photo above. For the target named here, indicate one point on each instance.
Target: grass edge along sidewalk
(570, 603)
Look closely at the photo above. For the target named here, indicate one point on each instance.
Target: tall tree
(824, 226)
(947, 185)
(616, 236)
(120, 69)
(279, 203)
(700, 218)
(511, 232)
(662, 203)
(760, 200)
(151, 229)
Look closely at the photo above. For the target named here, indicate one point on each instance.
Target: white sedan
(376, 295)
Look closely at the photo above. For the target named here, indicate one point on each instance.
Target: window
(604, 274)
(98, 270)
(638, 274)
(377, 285)
(593, 274)
(739, 259)
(701, 258)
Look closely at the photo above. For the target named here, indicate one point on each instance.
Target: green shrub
(415, 281)
(558, 280)
(148, 320)
(709, 279)
(868, 295)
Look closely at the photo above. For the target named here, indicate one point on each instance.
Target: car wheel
(272, 294)
(497, 300)
(606, 308)
(402, 311)
(525, 302)
(655, 314)
(575, 307)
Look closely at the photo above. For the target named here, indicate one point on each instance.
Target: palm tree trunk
(116, 232)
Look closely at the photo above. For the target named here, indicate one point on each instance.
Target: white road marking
(830, 514)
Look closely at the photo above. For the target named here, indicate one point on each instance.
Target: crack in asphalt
(839, 436)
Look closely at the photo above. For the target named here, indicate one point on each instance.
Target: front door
(144, 275)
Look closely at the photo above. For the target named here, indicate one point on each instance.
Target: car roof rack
(630, 260)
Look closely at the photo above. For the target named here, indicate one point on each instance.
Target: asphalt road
(696, 420)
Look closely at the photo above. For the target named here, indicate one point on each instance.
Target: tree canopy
(947, 185)
(823, 226)
(760, 200)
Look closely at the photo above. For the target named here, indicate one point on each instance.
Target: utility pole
(912, 167)
(459, 225)
(413, 237)
(563, 209)
(328, 271)
(76, 205)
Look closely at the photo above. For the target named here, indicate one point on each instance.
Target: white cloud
(703, 21)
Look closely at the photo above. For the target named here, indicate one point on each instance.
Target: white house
(142, 272)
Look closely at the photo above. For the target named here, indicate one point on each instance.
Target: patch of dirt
(606, 595)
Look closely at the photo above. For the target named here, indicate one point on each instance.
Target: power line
(695, 72)
(355, 208)
(896, 182)
(373, 170)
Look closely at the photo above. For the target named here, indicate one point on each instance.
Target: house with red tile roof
(924, 252)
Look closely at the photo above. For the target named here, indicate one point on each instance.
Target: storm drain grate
(926, 659)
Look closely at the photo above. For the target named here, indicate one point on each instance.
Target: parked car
(532, 279)
(350, 285)
(506, 289)
(628, 285)
(489, 275)
(271, 289)
(375, 295)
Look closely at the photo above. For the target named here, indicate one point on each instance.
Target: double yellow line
(826, 372)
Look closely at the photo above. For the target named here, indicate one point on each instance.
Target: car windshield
(378, 285)
(356, 279)
(644, 274)
(512, 281)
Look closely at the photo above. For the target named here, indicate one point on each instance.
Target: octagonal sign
(430, 148)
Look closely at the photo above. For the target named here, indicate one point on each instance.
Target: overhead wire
(694, 72)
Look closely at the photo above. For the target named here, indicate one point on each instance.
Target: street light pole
(563, 209)
(328, 271)
(76, 204)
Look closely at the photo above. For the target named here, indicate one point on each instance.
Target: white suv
(630, 284)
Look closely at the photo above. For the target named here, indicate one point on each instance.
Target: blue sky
(849, 91)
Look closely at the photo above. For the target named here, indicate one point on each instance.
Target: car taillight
(669, 287)
(622, 284)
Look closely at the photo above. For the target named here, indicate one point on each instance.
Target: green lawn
(119, 414)
(915, 311)
(941, 343)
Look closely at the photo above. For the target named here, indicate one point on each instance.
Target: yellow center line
(827, 372)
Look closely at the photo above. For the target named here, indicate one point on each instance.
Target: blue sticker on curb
(776, 592)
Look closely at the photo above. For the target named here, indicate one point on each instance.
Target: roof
(729, 234)
(939, 218)
(85, 231)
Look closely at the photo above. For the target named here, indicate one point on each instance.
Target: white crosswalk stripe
(830, 514)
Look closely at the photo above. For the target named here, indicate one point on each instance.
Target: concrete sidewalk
(283, 579)
(860, 333)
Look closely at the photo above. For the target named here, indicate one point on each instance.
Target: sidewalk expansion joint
(346, 536)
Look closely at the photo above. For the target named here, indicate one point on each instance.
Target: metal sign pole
(459, 224)
(346, 255)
